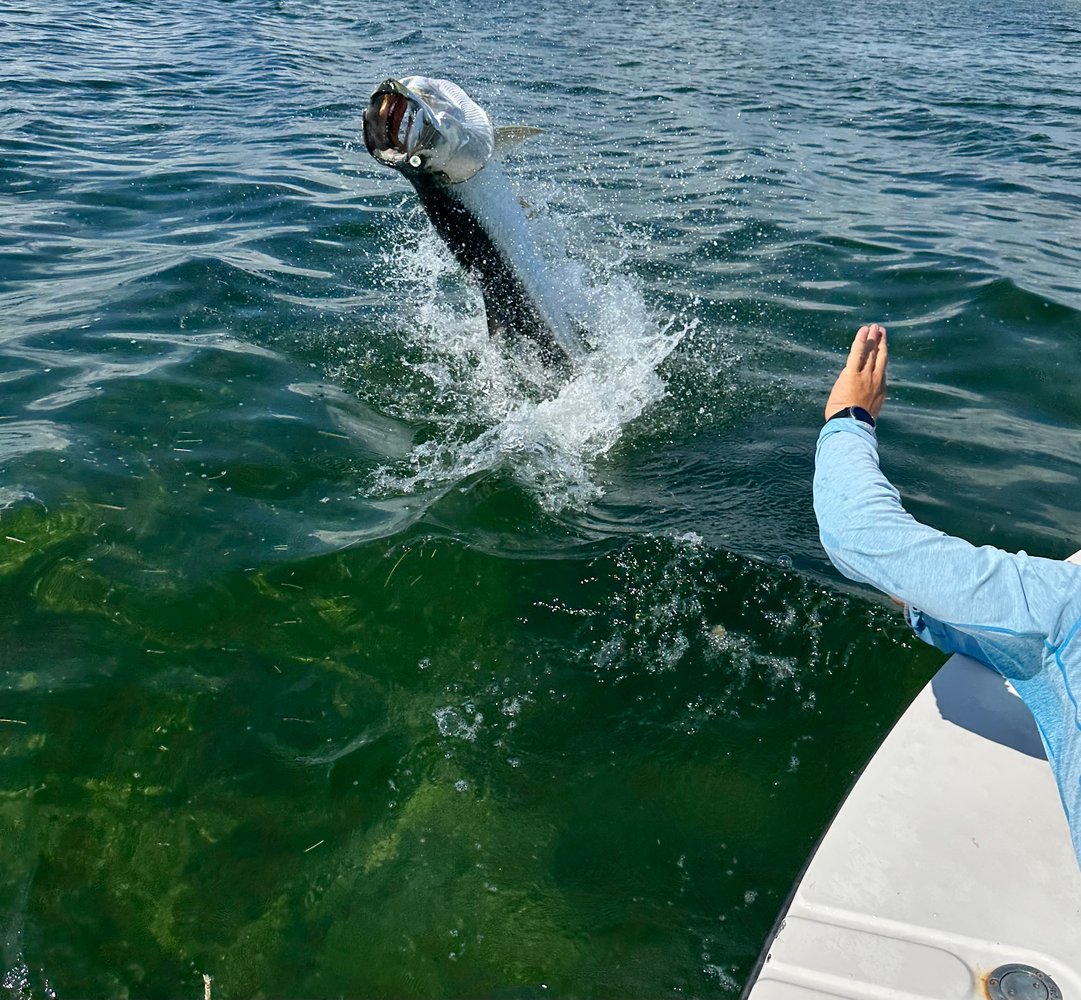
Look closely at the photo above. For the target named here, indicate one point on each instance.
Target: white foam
(496, 406)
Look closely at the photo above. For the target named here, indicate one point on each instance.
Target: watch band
(856, 413)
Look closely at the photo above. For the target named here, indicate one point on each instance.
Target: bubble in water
(20, 986)
(18, 980)
(724, 979)
(463, 724)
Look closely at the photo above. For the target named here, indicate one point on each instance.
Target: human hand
(863, 380)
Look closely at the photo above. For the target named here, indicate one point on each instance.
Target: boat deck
(950, 859)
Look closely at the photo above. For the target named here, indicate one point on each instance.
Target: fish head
(419, 124)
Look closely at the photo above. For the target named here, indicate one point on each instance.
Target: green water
(334, 664)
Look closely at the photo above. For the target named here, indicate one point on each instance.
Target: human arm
(870, 537)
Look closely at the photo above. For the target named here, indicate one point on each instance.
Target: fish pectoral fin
(509, 136)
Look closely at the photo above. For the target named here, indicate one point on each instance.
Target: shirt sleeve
(871, 538)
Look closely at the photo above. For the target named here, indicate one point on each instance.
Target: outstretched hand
(863, 380)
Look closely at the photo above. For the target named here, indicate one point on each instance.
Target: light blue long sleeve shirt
(1018, 614)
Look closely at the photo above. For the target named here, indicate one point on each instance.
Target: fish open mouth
(388, 120)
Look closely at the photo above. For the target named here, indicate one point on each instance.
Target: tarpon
(444, 144)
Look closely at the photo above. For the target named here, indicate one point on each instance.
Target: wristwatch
(856, 413)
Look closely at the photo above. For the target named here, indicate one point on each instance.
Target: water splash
(19, 984)
(495, 406)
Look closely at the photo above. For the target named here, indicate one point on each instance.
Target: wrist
(854, 413)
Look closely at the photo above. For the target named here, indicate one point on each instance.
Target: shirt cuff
(846, 425)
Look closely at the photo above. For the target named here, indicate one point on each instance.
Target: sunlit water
(344, 652)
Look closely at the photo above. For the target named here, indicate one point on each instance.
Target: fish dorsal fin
(509, 136)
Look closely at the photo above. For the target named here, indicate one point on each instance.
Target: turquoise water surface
(334, 662)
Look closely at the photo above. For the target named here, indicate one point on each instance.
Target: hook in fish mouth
(388, 123)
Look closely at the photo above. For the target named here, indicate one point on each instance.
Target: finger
(858, 341)
(871, 347)
(859, 348)
(881, 355)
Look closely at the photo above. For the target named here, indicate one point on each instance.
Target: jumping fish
(445, 145)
